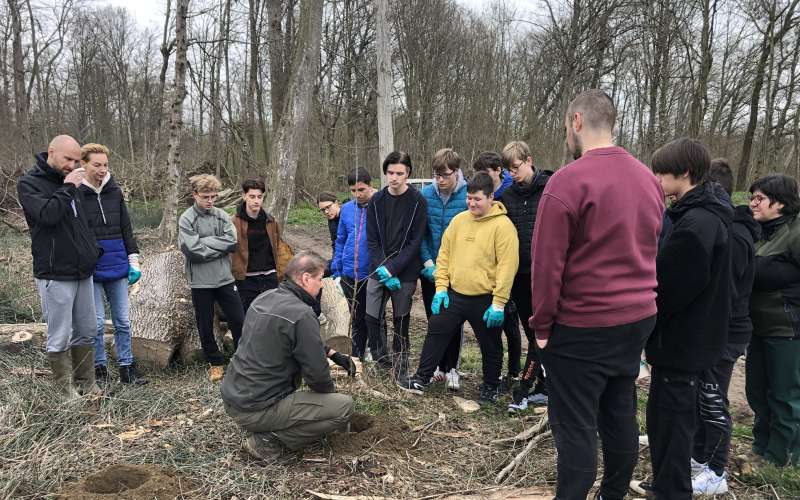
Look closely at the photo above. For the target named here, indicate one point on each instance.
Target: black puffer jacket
(108, 218)
(522, 203)
(746, 231)
(694, 284)
(62, 244)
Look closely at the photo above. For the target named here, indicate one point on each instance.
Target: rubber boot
(61, 366)
(83, 369)
(129, 375)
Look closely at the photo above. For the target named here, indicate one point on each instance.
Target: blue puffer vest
(440, 214)
(352, 254)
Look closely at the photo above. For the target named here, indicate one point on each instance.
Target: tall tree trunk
(384, 62)
(767, 46)
(277, 71)
(291, 130)
(700, 94)
(169, 222)
(21, 103)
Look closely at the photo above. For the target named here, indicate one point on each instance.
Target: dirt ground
(172, 438)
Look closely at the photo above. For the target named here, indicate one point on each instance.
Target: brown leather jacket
(281, 250)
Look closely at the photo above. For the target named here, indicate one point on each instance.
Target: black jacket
(522, 203)
(406, 263)
(108, 217)
(62, 244)
(280, 344)
(746, 231)
(694, 284)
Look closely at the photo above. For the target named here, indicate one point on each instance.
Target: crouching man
(280, 344)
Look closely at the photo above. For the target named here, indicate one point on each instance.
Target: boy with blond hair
(207, 237)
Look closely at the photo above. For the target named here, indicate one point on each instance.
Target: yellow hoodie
(479, 256)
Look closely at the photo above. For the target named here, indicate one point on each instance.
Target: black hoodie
(694, 284)
(522, 203)
(63, 246)
(746, 231)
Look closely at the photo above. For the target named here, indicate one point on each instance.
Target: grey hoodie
(207, 238)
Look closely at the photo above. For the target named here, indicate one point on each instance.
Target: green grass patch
(144, 214)
(742, 431)
(741, 198)
(305, 214)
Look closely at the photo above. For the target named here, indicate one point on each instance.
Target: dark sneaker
(129, 375)
(264, 446)
(101, 376)
(414, 385)
(489, 394)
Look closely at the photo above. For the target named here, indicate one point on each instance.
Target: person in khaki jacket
(475, 268)
(261, 254)
(207, 237)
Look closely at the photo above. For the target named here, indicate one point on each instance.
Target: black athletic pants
(591, 380)
(442, 328)
(521, 295)
(453, 351)
(203, 300)
(356, 293)
(253, 286)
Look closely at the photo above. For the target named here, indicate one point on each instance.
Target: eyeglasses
(326, 207)
(439, 175)
(757, 198)
(515, 168)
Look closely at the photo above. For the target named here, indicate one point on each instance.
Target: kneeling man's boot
(264, 446)
(83, 369)
(61, 366)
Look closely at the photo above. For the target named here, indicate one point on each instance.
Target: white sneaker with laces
(522, 406)
(709, 483)
(438, 375)
(453, 380)
(696, 467)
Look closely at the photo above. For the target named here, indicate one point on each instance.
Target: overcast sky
(151, 12)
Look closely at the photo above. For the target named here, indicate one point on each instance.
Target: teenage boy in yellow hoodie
(475, 269)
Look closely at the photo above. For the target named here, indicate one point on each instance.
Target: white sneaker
(453, 380)
(438, 375)
(709, 483)
(696, 467)
(514, 408)
(537, 399)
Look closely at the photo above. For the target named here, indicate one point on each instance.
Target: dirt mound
(128, 482)
(372, 432)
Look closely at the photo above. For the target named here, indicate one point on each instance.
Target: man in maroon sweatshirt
(593, 286)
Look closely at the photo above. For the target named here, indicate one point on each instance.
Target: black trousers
(356, 293)
(712, 438)
(671, 418)
(591, 380)
(253, 286)
(521, 295)
(203, 300)
(442, 329)
(452, 353)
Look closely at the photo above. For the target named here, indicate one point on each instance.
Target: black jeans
(356, 293)
(452, 353)
(253, 286)
(442, 329)
(521, 295)
(671, 414)
(712, 439)
(203, 300)
(591, 375)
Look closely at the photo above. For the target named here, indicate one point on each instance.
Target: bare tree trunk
(169, 222)
(767, 46)
(700, 94)
(277, 72)
(384, 62)
(21, 102)
(289, 135)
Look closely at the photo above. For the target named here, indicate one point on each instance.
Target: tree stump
(334, 327)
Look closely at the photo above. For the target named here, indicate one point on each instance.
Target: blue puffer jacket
(440, 214)
(504, 183)
(351, 253)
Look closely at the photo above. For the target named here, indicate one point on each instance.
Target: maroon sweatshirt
(595, 243)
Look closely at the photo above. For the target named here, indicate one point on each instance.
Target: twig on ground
(518, 459)
(527, 434)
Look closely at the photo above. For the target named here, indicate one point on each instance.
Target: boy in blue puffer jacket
(351, 258)
(119, 265)
(446, 198)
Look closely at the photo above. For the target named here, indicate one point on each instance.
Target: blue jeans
(117, 295)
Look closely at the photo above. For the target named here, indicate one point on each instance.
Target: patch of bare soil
(128, 482)
(372, 433)
(739, 408)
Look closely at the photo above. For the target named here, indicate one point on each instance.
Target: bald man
(64, 256)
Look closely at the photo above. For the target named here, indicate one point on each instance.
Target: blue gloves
(392, 283)
(383, 274)
(134, 273)
(494, 317)
(439, 300)
(428, 273)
